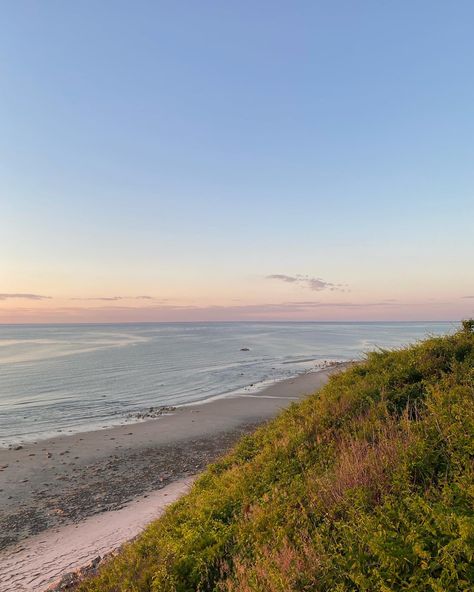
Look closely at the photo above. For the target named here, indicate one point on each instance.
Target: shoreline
(68, 479)
(148, 413)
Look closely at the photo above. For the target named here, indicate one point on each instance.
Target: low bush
(366, 485)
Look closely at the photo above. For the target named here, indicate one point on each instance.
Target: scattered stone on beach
(72, 579)
(19, 447)
(103, 481)
(106, 484)
(152, 412)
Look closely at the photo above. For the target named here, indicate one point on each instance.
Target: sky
(185, 161)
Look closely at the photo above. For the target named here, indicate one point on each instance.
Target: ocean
(59, 379)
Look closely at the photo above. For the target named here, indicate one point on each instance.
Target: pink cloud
(297, 311)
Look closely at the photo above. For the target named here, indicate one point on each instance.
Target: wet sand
(67, 479)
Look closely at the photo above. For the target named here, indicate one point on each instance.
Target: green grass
(365, 485)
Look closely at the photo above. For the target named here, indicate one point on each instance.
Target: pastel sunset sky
(175, 161)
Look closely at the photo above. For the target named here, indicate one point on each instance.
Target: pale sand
(45, 558)
(68, 479)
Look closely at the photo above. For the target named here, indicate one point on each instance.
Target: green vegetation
(366, 485)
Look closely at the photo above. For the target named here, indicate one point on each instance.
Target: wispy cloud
(115, 298)
(315, 284)
(268, 307)
(299, 306)
(24, 296)
(220, 311)
(290, 279)
(467, 296)
(382, 309)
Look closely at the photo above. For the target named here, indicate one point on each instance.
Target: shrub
(365, 485)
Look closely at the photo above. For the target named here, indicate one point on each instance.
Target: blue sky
(188, 150)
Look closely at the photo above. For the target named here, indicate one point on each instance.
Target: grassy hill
(366, 485)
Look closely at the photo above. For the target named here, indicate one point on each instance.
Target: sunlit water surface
(68, 378)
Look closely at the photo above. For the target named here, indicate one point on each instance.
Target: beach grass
(366, 485)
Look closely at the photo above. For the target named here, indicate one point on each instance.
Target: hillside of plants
(367, 485)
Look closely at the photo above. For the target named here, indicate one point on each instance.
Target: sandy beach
(61, 483)
(51, 560)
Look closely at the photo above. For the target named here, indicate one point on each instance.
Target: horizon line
(299, 321)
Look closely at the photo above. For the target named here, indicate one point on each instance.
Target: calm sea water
(69, 378)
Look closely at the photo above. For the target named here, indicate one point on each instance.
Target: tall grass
(366, 485)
